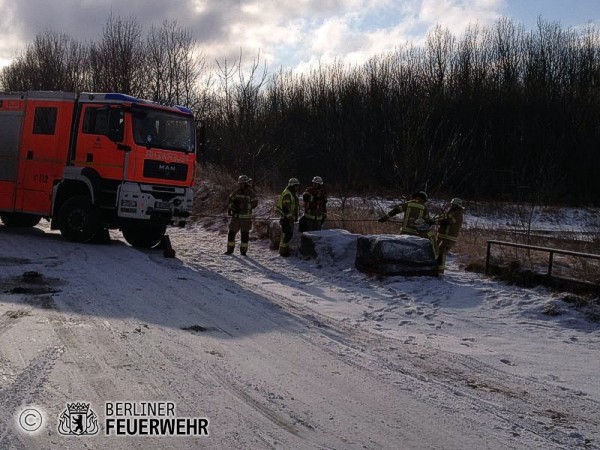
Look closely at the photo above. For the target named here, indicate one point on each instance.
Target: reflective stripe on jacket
(412, 211)
(287, 205)
(450, 224)
(315, 203)
(242, 202)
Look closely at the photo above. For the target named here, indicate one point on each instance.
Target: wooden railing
(551, 252)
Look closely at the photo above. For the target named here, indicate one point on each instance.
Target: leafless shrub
(551, 309)
(589, 305)
(356, 215)
(213, 186)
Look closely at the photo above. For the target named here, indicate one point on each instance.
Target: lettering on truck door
(94, 147)
(44, 149)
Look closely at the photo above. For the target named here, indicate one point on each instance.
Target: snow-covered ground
(287, 352)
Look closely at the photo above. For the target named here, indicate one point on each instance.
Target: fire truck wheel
(78, 219)
(144, 235)
(17, 220)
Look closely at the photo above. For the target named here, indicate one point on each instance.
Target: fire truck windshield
(161, 129)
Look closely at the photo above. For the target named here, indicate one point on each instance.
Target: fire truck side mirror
(115, 125)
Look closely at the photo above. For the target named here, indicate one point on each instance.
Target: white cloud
(374, 27)
(456, 15)
(286, 33)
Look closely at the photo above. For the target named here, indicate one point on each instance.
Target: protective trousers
(443, 249)
(287, 232)
(235, 225)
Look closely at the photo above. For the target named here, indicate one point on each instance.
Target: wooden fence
(548, 276)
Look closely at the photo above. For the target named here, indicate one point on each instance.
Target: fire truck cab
(96, 161)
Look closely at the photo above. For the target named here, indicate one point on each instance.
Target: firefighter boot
(441, 261)
(230, 242)
(244, 243)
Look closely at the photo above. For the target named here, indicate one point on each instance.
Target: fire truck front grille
(163, 196)
(165, 171)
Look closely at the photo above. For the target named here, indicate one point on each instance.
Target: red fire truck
(96, 161)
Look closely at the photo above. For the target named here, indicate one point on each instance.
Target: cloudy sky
(288, 33)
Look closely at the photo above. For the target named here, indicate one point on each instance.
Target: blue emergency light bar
(115, 96)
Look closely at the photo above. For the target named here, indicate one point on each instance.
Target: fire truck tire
(17, 220)
(144, 235)
(78, 219)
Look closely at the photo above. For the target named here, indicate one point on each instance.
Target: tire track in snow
(451, 381)
(26, 389)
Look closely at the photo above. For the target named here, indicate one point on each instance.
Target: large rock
(395, 255)
(329, 246)
(381, 254)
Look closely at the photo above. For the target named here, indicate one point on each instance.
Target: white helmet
(243, 179)
(293, 182)
(317, 180)
(457, 201)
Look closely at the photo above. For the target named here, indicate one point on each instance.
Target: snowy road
(284, 353)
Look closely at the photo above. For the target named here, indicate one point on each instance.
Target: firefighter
(416, 219)
(315, 206)
(287, 209)
(241, 203)
(449, 225)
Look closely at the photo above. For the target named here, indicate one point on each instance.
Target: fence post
(487, 258)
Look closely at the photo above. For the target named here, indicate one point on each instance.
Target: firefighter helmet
(317, 180)
(421, 194)
(293, 182)
(457, 201)
(243, 179)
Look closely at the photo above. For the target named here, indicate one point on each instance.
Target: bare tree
(239, 90)
(54, 61)
(117, 61)
(440, 49)
(174, 65)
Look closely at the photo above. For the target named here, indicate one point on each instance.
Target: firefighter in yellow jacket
(449, 224)
(241, 203)
(416, 219)
(287, 209)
